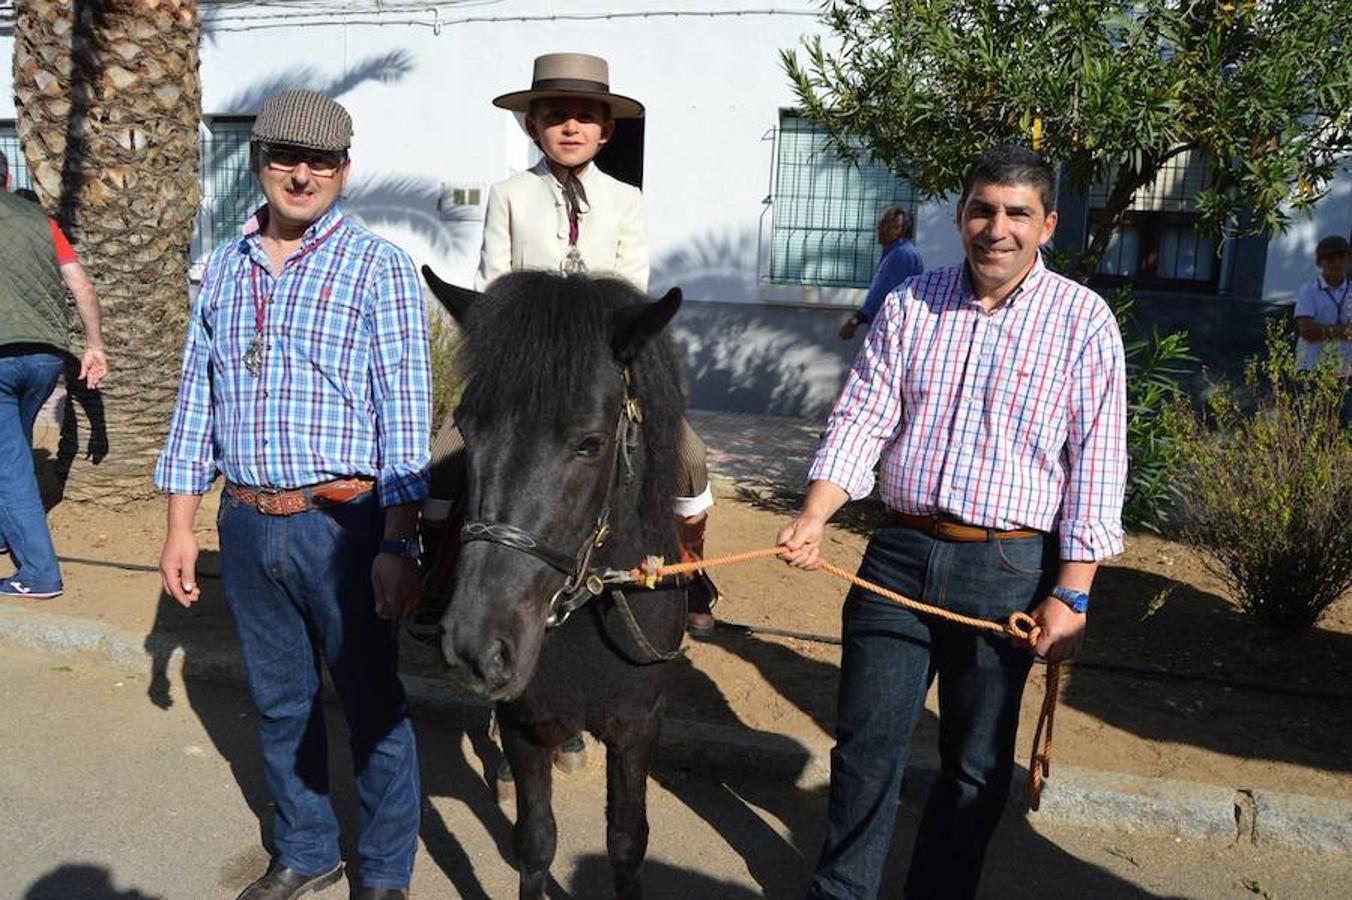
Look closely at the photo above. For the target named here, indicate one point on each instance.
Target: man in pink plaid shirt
(994, 394)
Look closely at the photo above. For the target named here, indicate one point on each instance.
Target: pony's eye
(590, 446)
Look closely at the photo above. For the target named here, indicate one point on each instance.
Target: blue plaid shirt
(344, 389)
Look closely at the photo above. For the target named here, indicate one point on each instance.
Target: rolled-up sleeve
(1096, 450)
(188, 463)
(868, 412)
(402, 382)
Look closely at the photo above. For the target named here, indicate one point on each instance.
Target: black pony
(570, 415)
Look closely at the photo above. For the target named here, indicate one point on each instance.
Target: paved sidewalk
(758, 454)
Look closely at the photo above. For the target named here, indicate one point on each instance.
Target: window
(826, 209)
(230, 194)
(18, 166)
(1157, 246)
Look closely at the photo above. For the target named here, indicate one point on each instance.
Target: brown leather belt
(288, 503)
(952, 530)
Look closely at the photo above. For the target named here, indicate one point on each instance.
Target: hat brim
(621, 107)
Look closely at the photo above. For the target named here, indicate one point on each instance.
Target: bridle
(584, 581)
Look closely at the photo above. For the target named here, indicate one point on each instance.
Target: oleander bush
(1264, 486)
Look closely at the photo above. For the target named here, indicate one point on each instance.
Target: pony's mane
(537, 342)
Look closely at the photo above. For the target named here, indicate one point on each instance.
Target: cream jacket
(526, 227)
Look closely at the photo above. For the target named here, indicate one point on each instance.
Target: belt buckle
(273, 502)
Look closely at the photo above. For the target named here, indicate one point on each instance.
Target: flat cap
(1330, 246)
(305, 119)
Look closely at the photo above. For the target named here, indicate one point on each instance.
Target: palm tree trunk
(109, 102)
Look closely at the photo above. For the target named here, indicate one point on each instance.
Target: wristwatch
(407, 548)
(1076, 600)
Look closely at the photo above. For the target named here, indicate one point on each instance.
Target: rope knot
(649, 572)
(1023, 629)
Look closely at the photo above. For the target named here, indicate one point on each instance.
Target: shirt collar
(542, 168)
(1027, 285)
(1324, 285)
(318, 230)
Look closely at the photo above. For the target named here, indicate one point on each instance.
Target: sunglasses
(285, 158)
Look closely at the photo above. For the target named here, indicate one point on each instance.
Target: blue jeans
(299, 589)
(26, 381)
(889, 657)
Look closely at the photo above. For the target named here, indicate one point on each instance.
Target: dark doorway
(622, 156)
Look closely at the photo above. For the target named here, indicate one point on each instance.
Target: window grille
(230, 193)
(826, 209)
(18, 166)
(1174, 189)
(1156, 245)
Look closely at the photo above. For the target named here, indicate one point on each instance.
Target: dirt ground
(1211, 697)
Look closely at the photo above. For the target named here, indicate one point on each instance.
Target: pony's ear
(635, 325)
(457, 300)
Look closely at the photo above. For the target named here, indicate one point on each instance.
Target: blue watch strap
(407, 548)
(1076, 600)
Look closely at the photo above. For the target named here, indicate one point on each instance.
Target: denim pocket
(1023, 556)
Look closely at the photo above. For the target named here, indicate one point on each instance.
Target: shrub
(443, 338)
(1266, 492)
(1155, 363)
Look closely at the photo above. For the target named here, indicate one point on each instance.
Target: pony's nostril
(495, 665)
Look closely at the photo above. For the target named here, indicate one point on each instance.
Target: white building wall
(420, 99)
(1290, 256)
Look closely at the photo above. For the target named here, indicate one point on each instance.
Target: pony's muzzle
(487, 668)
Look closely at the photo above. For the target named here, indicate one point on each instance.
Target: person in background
(38, 269)
(900, 260)
(1323, 312)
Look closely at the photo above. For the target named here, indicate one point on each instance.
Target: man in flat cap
(305, 383)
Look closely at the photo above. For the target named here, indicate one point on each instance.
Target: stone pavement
(758, 453)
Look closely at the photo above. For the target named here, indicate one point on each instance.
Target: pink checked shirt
(1013, 418)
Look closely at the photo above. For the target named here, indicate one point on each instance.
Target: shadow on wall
(385, 68)
(1290, 261)
(740, 354)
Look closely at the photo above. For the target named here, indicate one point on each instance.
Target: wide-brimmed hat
(303, 118)
(571, 75)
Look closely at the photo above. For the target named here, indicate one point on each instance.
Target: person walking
(994, 394)
(305, 383)
(900, 260)
(38, 270)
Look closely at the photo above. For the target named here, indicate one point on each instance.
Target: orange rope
(1021, 628)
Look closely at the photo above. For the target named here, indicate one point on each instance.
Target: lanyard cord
(1338, 303)
(260, 298)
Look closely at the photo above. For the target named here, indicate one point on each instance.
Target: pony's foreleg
(535, 836)
(627, 759)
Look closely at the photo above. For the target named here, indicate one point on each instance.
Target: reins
(1020, 627)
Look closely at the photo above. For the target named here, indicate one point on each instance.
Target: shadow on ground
(81, 881)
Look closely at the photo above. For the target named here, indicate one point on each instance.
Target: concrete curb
(1072, 795)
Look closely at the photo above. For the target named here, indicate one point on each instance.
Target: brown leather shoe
(281, 883)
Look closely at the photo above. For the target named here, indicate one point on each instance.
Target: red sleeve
(65, 253)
